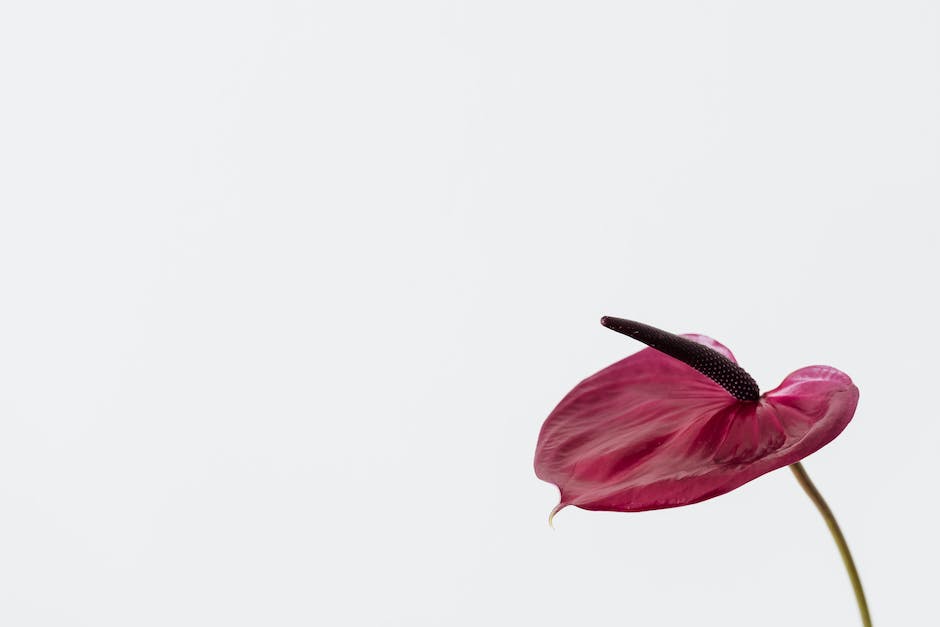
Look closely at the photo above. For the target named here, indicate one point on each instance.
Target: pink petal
(650, 432)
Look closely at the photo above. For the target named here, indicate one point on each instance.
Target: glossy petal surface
(650, 432)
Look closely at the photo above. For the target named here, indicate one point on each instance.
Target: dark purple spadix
(709, 362)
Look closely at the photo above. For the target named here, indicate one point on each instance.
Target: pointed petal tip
(551, 516)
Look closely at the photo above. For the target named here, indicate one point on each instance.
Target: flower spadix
(681, 422)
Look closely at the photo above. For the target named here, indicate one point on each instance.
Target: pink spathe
(651, 432)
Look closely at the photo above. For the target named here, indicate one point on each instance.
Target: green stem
(830, 519)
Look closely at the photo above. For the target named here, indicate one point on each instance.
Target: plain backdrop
(289, 287)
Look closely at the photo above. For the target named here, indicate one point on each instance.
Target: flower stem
(800, 473)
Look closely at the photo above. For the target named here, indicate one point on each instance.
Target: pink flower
(681, 422)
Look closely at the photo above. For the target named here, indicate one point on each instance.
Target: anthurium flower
(681, 422)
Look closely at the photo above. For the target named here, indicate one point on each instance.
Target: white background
(289, 287)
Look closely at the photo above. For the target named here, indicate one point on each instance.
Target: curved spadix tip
(622, 325)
